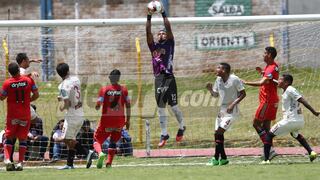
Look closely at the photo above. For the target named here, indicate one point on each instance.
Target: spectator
(59, 149)
(35, 136)
(85, 139)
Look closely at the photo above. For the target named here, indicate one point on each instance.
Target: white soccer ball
(155, 7)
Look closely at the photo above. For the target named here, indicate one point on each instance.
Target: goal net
(93, 51)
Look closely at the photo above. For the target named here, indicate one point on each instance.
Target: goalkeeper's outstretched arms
(167, 24)
(148, 29)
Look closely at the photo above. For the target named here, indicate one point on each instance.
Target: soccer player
(17, 90)
(162, 53)
(230, 90)
(292, 120)
(70, 94)
(113, 99)
(24, 63)
(268, 96)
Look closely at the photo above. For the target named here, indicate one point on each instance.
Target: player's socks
(71, 154)
(8, 149)
(263, 135)
(177, 112)
(304, 143)
(219, 145)
(22, 150)
(111, 154)
(163, 120)
(97, 147)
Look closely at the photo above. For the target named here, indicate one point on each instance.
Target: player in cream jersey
(230, 90)
(292, 120)
(70, 94)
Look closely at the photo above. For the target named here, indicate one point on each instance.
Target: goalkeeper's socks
(304, 143)
(71, 154)
(111, 153)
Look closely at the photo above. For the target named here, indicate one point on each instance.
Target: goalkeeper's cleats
(213, 162)
(223, 162)
(265, 162)
(312, 156)
(66, 167)
(9, 165)
(163, 140)
(89, 158)
(101, 160)
(180, 133)
(19, 167)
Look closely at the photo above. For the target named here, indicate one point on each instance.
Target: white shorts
(224, 119)
(72, 126)
(287, 126)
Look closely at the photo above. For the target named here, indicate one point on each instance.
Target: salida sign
(223, 8)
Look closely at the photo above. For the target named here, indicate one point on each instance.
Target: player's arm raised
(167, 25)
(308, 106)
(148, 30)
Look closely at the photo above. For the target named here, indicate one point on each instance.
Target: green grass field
(242, 168)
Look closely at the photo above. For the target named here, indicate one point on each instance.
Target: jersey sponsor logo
(19, 84)
(162, 89)
(114, 93)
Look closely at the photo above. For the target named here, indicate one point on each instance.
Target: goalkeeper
(162, 53)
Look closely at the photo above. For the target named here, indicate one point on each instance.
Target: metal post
(148, 138)
(76, 45)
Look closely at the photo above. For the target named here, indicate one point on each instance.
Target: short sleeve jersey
(113, 99)
(229, 90)
(18, 91)
(268, 92)
(162, 57)
(70, 88)
(290, 105)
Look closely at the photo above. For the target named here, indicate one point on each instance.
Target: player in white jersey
(292, 120)
(69, 93)
(231, 91)
(24, 63)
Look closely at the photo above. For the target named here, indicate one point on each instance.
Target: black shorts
(166, 90)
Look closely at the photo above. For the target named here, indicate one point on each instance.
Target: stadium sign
(223, 8)
(225, 40)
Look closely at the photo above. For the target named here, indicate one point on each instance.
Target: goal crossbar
(174, 20)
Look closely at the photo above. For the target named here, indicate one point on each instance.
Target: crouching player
(231, 91)
(113, 98)
(292, 120)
